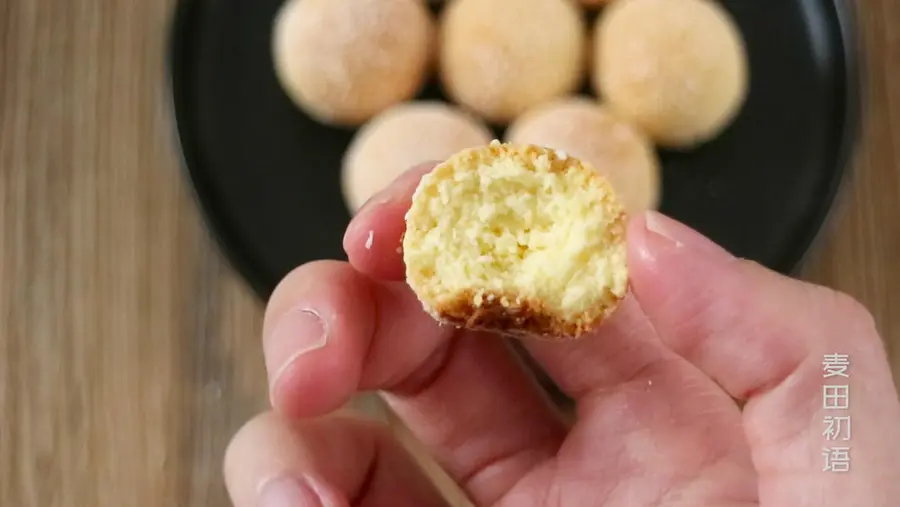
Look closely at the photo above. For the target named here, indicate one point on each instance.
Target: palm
(703, 476)
(655, 431)
(658, 435)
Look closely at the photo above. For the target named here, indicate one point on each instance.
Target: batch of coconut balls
(664, 73)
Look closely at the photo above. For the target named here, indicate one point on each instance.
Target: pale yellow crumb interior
(512, 225)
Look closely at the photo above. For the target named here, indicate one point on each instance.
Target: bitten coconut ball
(401, 137)
(589, 131)
(343, 61)
(676, 68)
(516, 239)
(501, 57)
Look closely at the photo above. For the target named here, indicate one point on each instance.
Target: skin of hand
(705, 388)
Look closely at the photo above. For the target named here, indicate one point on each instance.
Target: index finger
(380, 256)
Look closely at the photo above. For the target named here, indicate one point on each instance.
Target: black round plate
(267, 176)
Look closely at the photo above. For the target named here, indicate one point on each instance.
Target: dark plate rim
(855, 98)
(241, 257)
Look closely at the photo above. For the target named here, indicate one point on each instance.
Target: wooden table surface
(129, 350)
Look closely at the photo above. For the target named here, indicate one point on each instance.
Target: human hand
(657, 422)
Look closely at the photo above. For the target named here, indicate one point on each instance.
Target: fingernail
(288, 492)
(298, 333)
(664, 235)
(381, 197)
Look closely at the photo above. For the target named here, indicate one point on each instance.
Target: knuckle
(328, 283)
(309, 274)
(246, 439)
(846, 309)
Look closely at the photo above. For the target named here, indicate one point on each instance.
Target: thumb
(764, 338)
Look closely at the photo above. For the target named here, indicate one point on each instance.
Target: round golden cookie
(501, 57)
(401, 137)
(516, 239)
(343, 61)
(676, 68)
(590, 132)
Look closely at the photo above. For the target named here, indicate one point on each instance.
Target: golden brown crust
(525, 153)
(526, 319)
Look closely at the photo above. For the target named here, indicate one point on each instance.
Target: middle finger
(332, 331)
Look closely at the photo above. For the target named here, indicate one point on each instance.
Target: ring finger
(333, 461)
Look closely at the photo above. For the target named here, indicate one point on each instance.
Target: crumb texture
(519, 239)
(401, 137)
(589, 131)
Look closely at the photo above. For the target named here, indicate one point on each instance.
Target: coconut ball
(676, 68)
(519, 240)
(501, 57)
(343, 61)
(588, 131)
(401, 137)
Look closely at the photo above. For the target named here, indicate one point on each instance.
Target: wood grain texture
(129, 350)
(859, 252)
